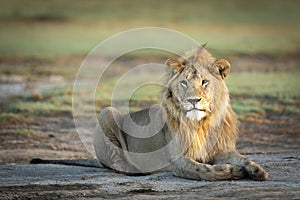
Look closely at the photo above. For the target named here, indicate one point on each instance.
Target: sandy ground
(61, 182)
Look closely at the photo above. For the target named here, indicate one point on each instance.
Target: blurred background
(42, 44)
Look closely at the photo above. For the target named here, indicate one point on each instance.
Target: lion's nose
(194, 100)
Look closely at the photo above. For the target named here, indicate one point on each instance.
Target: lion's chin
(195, 114)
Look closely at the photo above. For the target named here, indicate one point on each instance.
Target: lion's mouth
(196, 114)
(197, 109)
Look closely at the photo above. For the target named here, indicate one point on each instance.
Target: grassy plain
(35, 28)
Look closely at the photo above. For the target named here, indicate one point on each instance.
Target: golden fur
(199, 119)
(220, 124)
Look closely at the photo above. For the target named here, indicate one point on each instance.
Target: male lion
(200, 127)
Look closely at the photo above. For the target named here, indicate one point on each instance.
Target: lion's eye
(204, 83)
(184, 83)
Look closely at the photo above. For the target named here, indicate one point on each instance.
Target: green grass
(56, 101)
(13, 118)
(63, 27)
(262, 92)
(282, 85)
(39, 108)
(23, 132)
(252, 94)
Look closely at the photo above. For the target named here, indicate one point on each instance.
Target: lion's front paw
(237, 172)
(228, 171)
(256, 172)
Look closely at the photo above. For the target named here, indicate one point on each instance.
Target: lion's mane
(215, 133)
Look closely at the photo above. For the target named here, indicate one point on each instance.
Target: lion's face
(194, 92)
(196, 84)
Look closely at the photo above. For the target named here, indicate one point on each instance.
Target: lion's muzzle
(195, 108)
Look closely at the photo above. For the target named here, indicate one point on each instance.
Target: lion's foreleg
(188, 168)
(253, 170)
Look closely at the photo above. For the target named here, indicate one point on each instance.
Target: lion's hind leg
(188, 168)
(252, 169)
(109, 143)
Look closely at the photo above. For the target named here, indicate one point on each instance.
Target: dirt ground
(64, 182)
(56, 138)
(272, 141)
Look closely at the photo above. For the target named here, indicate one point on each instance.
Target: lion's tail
(77, 162)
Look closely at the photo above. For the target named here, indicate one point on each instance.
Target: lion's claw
(256, 172)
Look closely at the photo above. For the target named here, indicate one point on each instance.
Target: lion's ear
(223, 67)
(174, 65)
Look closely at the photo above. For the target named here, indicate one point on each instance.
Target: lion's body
(195, 121)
